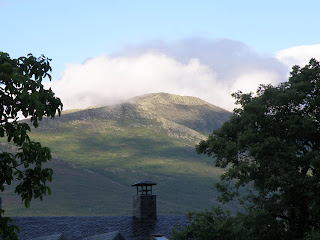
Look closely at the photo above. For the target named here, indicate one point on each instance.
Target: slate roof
(78, 228)
(58, 236)
(106, 236)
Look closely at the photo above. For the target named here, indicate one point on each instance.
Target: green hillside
(100, 152)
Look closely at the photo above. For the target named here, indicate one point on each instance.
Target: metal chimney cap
(144, 183)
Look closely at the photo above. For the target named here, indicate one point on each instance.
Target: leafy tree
(219, 225)
(270, 147)
(22, 92)
(210, 224)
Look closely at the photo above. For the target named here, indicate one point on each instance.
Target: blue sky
(70, 32)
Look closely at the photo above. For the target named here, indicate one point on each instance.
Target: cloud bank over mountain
(208, 69)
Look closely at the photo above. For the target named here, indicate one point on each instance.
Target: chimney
(144, 203)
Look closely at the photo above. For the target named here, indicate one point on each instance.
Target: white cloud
(208, 69)
(250, 81)
(106, 80)
(299, 55)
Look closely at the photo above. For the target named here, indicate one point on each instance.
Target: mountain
(99, 152)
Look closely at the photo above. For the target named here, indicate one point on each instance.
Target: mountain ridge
(99, 152)
(191, 112)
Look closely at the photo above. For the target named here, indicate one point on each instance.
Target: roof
(158, 237)
(58, 236)
(78, 228)
(106, 236)
(144, 183)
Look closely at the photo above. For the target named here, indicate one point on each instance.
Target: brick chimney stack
(144, 203)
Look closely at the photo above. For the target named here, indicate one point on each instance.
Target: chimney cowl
(144, 183)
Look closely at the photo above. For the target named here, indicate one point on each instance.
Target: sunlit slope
(100, 152)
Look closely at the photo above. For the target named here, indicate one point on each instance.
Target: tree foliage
(270, 146)
(22, 93)
(220, 225)
(210, 224)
